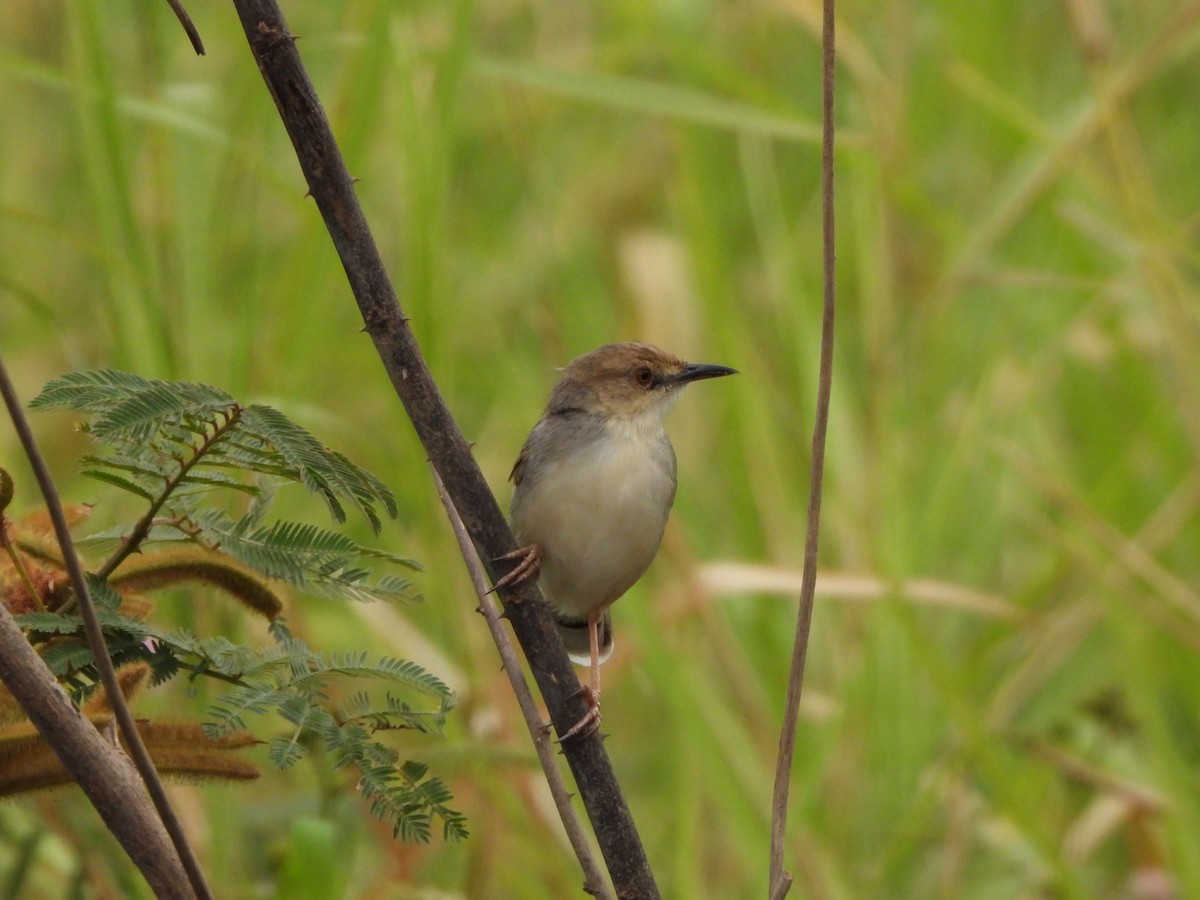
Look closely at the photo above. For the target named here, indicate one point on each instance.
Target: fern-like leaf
(319, 561)
(394, 714)
(226, 715)
(183, 433)
(49, 622)
(396, 671)
(125, 484)
(173, 443)
(408, 801)
(140, 416)
(89, 392)
(285, 752)
(323, 471)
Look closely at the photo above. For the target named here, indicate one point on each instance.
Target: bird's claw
(584, 727)
(591, 719)
(530, 560)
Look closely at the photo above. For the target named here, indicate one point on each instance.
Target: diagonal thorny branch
(331, 186)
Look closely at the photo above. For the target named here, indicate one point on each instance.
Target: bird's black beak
(697, 371)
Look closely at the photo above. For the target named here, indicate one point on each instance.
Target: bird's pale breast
(598, 514)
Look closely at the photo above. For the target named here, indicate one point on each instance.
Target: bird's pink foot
(591, 719)
(529, 561)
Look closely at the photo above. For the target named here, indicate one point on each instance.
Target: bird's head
(628, 381)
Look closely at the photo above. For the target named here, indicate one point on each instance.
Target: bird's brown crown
(626, 380)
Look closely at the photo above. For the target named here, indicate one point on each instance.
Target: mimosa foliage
(174, 444)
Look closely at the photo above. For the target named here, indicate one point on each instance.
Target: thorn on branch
(273, 35)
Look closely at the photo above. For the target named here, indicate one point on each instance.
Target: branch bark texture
(331, 186)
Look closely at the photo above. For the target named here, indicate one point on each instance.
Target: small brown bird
(593, 486)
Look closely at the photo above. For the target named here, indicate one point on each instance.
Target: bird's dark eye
(643, 376)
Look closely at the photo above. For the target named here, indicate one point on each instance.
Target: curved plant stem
(780, 881)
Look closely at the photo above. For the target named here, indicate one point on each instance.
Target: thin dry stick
(186, 21)
(780, 881)
(594, 883)
(95, 637)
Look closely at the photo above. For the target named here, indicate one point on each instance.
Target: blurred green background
(1003, 695)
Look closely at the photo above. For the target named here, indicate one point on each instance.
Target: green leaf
(129, 406)
(215, 479)
(403, 799)
(91, 391)
(65, 656)
(115, 480)
(226, 715)
(414, 771)
(181, 433)
(110, 537)
(325, 472)
(49, 622)
(139, 417)
(398, 671)
(141, 464)
(322, 562)
(172, 443)
(285, 752)
(107, 602)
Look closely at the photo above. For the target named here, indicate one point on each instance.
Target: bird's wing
(519, 468)
(560, 440)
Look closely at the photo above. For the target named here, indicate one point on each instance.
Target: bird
(592, 488)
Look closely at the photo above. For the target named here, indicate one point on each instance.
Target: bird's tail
(575, 635)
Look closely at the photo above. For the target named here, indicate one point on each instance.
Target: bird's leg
(591, 692)
(594, 646)
(530, 559)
